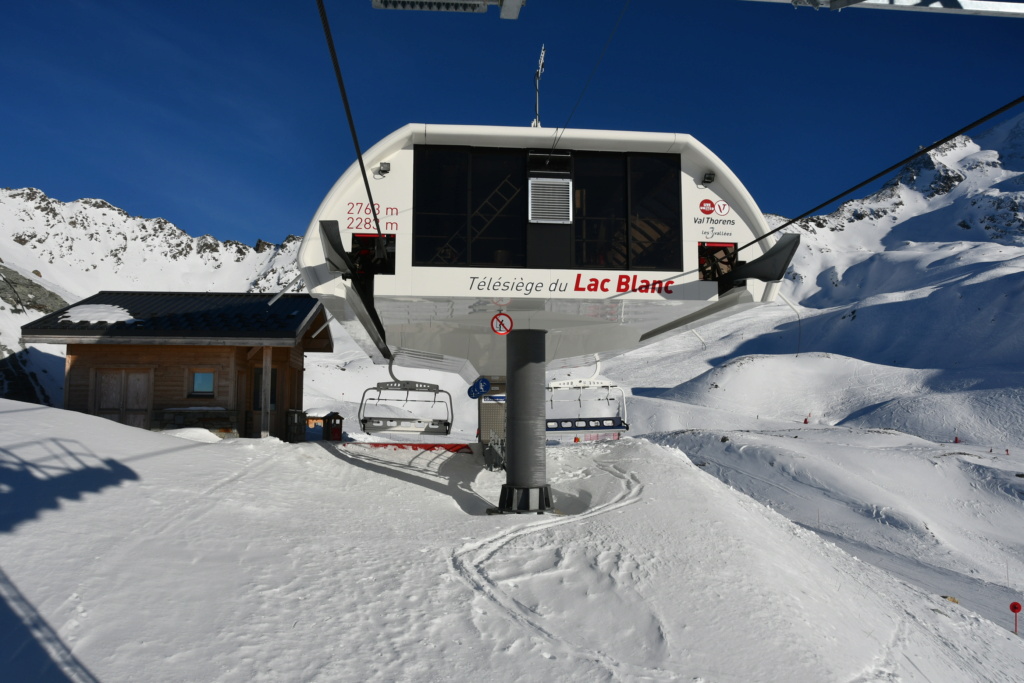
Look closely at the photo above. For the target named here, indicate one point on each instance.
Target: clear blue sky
(223, 116)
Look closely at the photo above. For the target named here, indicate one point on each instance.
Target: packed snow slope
(129, 555)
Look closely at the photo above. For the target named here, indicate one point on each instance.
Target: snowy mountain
(802, 486)
(52, 252)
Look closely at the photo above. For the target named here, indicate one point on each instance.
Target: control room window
(440, 202)
(202, 383)
(655, 221)
(628, 211)
(599, 211)
(469, 207)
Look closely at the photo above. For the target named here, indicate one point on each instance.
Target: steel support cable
(380, 253)
(593, 71)
(889, 170)
(15, 291)
(17, 359)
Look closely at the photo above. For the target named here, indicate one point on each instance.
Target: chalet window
(202, 383)
(257, 389)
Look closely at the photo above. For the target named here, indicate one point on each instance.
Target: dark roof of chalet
(195, 318)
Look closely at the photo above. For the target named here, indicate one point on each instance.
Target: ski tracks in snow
(470, 563)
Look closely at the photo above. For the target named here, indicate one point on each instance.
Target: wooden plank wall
(171, 368)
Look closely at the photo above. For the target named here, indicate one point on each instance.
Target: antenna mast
(536, 83)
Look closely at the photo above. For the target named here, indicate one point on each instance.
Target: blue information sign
(479, 387)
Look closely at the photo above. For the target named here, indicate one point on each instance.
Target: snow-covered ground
(723, 545)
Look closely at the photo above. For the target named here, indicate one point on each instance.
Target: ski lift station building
(503, 250)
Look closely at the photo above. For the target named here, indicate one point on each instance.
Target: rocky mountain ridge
(53, 253)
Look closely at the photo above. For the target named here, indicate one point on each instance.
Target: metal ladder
(497, 201)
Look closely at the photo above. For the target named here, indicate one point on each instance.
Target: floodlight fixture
(509, 8)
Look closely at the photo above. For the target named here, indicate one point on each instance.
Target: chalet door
(241, 405)
(123, 396)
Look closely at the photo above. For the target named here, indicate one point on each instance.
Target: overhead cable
(898, 164)
(592, 72)
(380, 252)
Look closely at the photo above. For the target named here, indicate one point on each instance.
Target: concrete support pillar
(526, 485)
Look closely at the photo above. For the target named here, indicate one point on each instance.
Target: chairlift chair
(590, 392)
(402, 393)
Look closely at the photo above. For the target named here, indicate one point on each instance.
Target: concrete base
(522, 500)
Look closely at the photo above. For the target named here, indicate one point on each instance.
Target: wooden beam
(265, 393)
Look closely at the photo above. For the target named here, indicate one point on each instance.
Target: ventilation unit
(550, 200)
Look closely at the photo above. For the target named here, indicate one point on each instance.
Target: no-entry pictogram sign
(1015, 608)
(501, 323)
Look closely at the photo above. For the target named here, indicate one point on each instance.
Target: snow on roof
(97, 313)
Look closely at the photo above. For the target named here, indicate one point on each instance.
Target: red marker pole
(1015, 608)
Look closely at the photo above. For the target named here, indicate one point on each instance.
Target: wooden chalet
(231, 363)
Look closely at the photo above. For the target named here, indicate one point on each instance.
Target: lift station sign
(625, 283)
(713, 223)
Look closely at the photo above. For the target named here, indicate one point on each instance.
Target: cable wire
(593, 71)
(14, 355)
(380, 250)
(16, 294)
(892, 168)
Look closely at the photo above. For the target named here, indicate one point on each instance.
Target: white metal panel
(994, 8)
(445, 313)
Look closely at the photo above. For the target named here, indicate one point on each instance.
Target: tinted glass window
(655, 230)
(497, 199)
(599, 210)
(440, 204)
(470, 209)
(469, 206)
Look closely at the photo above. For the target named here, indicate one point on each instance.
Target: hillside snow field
(129, 555)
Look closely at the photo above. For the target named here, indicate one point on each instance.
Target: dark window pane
(439, 240)
(655, 220)
(599, 210)
(440, 205)
(439, 173)
(498, 201)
